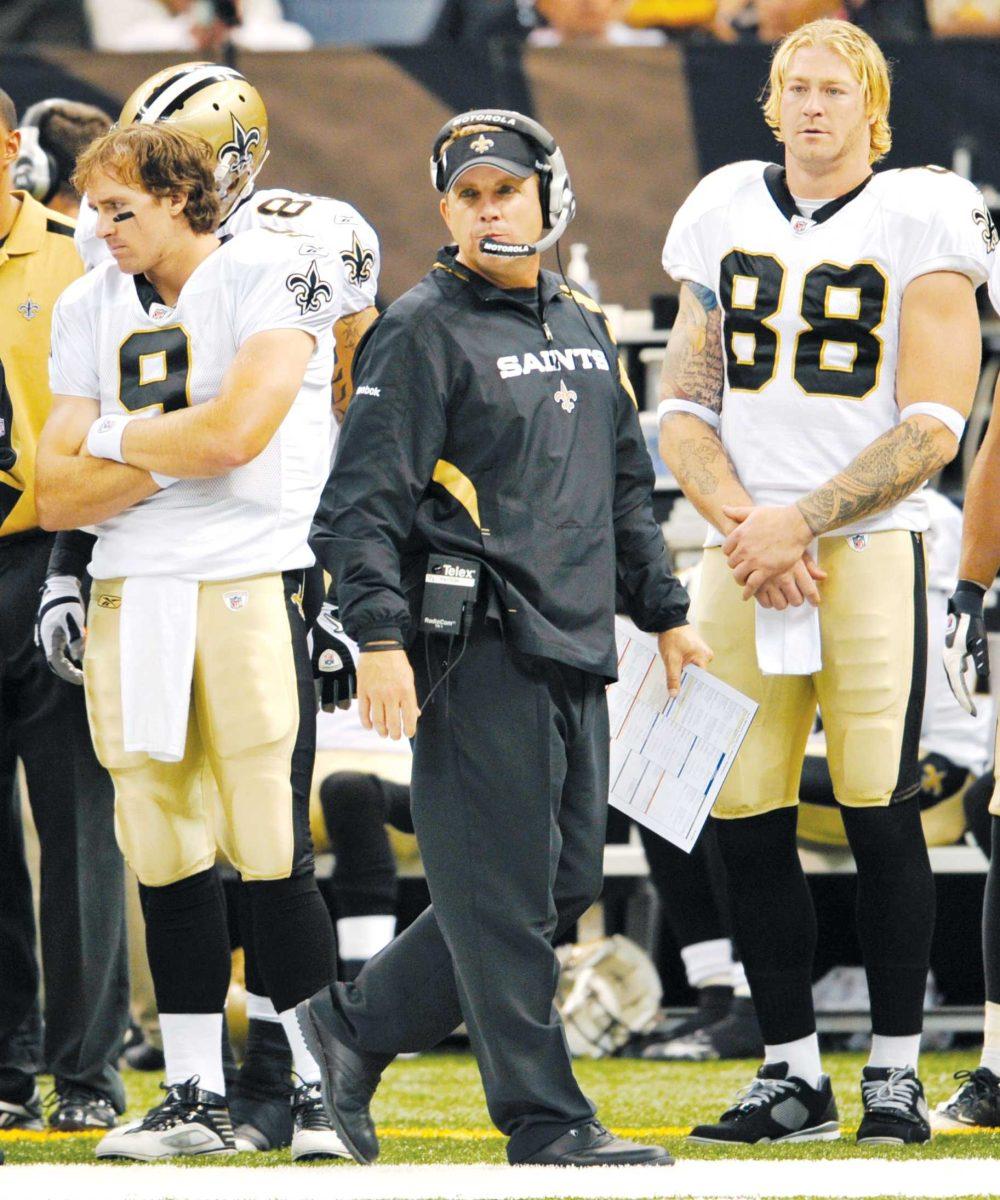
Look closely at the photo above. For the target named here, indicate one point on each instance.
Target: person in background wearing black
(493, 441)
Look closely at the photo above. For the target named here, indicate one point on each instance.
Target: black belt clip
(451, 585)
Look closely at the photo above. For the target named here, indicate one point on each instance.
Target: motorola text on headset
(555, 189)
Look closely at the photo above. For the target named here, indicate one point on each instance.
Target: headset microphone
(527, 249)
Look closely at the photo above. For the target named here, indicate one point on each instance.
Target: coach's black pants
(509, 794)
(43, 722)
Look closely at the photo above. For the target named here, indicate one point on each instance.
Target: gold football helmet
(221, 105)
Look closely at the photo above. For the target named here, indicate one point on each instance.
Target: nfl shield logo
(236, 600)
(858, 541)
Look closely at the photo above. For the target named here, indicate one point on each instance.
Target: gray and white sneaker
(190, 1121)
(776, 1107)
(313, 1134)
(25, 1114)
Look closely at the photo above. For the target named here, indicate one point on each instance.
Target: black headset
(555, 189)
(36, 170)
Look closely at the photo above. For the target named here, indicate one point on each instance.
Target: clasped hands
(768, 554)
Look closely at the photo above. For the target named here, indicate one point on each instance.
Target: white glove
(59, 626)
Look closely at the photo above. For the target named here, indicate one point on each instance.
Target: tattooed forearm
(348, 332)
(892, 467)
(701, 463)
(693, 367)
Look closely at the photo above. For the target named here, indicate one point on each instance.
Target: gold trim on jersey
(458, 485)
(829, 262)
(156, 353)
(752, 279)
(827, 365)
(765, 321)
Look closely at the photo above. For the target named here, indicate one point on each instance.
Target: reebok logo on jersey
(109, 601)
(511, 366)
(365, 390)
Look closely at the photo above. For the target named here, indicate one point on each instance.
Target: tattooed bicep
(693, 365)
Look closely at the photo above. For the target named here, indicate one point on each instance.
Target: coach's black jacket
(496, 425)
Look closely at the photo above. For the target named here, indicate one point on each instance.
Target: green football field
(430, 1110)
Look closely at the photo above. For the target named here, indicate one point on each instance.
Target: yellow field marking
(435, 1133)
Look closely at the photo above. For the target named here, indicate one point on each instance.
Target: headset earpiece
(35, 170)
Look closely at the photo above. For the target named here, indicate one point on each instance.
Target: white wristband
(688, 406)
(949, 417)
(104, 439)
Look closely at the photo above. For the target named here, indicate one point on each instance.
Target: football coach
(491, 490)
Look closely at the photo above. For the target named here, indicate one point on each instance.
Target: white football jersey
(340, 227)
(811, 313)
(114, 340)
(993, 237)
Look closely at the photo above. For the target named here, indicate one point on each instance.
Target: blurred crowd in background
(201, 26)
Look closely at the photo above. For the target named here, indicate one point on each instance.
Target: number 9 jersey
(114, 340)
(811, 311)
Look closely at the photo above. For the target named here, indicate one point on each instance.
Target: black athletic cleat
(895, 1109)
(348, 1077)
(591, 1145)
(190, 1121)
(735, 1036)
(313, 1134)
(977, 1102)
(79, 1108)
(713, 1005)
(22, 1114)
(776, 1108)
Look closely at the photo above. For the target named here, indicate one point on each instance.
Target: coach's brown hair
(159, 160)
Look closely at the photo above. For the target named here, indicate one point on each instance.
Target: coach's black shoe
(79, 1108)
(349, 1077)
(776, 1108)
(977, 1102)
(591, 1145)
(895, 1109)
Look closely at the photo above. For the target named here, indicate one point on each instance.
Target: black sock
(691, 887)
(895, 911)
(774, 921)
(187, 941)
(267, 1064)
(991, 920)
(293, 938)
(355, 808)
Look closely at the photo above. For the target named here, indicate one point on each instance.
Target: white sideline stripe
(815, 1177)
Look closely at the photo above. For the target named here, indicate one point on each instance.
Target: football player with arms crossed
(222, 106)
(191, 424)
(823, 363)
(966, 657)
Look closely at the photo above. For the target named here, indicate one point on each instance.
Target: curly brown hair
(161, 161)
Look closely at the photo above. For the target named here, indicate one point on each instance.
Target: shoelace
(979, 1081)
(759, 1093)
(897, 1094)
(307, 1104)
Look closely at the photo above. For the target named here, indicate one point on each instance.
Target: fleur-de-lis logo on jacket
(358, 262)
(309, 290)
(238, 153)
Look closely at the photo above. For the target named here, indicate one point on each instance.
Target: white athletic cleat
(190, 1121)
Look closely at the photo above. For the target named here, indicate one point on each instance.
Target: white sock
(740, 986)
(358, 938)
(260, 1008)
(895, 1051)
(802, 1057)
(991, 1038)
(707, 963)
(302, 1061)
(192, 1045)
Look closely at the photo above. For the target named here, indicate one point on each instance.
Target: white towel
(159, 622)
(788, 641)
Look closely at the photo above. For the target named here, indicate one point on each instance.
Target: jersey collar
(447, 264)
(28, 231)
(147, 293)
(777, 184)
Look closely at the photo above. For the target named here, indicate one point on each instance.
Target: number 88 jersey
(811, 309)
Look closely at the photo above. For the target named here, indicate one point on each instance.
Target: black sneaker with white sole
(313, 1134)
(896, 1112)
(977, 1102)
(776, 1108)
(189, 1121)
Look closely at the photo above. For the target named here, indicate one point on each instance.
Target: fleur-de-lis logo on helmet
(237, 154)
(309, 290)
(982, 216)
(358, 262)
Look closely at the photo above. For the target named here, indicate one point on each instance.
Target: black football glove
(59, 626)
(334, 658)
(966, 653)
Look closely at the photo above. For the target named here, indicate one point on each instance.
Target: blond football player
(823, 363)
(191, 425)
